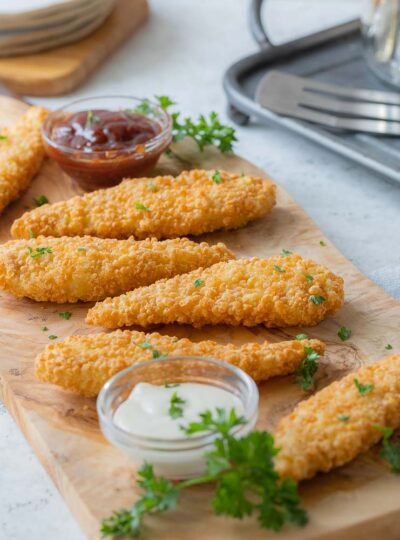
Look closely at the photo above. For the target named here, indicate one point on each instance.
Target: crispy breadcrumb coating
(84, 363)
(21, 154)
(161, 207)
(314, 437)
(86, 268)
(274, 292)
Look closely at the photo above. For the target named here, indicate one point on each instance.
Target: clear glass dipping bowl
(104, 168)
(183, 457)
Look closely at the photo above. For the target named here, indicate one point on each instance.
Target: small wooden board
(60, 70)
(361, 500)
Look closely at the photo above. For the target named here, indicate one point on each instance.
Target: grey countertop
(182, 52)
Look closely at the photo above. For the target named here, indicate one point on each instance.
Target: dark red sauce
(98, 148)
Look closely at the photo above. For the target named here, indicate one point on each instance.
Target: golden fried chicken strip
(21, 154)
(84, 363)
(87, 268)
(279, 291)
(161, 207)
(336, 424)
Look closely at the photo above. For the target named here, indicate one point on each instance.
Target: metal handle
(256, 26)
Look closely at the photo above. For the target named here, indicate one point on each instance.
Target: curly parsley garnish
(242, 470)
(176, 406)
(363, 389)
(198, 282)
(41, 200)
(307, 370)
(203, 130)
(391, 450)
(39, 251)
(344, 333)
(66, 315)
(216, 177)
(317, 299)
(286, 252)
(141, 206)
(389, 347)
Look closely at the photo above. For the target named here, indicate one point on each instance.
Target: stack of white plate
(30, 26)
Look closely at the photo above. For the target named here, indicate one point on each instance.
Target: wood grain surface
(361, 500)
(62, 69)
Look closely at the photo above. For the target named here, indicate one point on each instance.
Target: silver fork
(339, 107)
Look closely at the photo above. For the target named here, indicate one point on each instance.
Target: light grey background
(183, 52)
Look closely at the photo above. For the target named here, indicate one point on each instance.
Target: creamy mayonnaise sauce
(146, 412)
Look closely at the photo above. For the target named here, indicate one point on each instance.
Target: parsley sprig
(363, 389)
(39, 251)
(391, 450)
(204, 130)
(176, 406)
(307, 370)
(244, 476)
(40, 200)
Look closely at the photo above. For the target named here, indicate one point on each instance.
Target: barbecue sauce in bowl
(99, 147)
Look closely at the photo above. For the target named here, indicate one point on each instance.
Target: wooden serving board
(356, 501)
(58, 71)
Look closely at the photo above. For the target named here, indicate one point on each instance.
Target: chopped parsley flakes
(279, 269)
(141, 206)
(316, 299)
(344, 333)
(216, 177)
(66, 315)
(176, 406)
(41, 200)
(286, 252)
(363, 389)
(198, 282)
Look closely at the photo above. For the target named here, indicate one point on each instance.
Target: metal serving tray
(334, 56)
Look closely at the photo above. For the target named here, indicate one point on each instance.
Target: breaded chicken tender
(84, 363)
(279, 291)
(21, 154)
(161, 207)
(86, 268)
(336, 424)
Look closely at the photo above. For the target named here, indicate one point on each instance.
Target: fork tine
(360, 109)
(310, 85)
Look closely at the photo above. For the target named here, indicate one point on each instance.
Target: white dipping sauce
(146, 411)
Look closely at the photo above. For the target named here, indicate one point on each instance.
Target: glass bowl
(94, 169)
(182, 457)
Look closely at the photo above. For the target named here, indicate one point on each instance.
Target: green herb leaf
(344, 333)
(53, 337)
(44, 328)
(81, 249)
(216, 177)
(66, 315)
(322, 243)
(388, 347)
(158, 354)
(3, 137)
(363, 389)
(144, 108)
(141, 206)
(391, 450)
(39, 251)
(198, 282)
(204, 130)
(244, 476)
(286, 252)
(343, 417)
(300, 337)
(145, 345)
(175, 406)
(279, 269)
(31, 233)
(91, 118)
(152, 186)
(307, 370)
(309, 278)
(316, 299)
(41, 200)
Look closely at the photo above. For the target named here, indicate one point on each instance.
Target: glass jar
(182, 457)
(381, 38)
